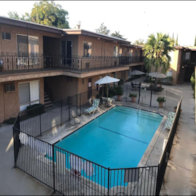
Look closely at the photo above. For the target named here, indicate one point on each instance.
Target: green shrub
(121, 82)
(10, 121)
(119, 90)
(98, 96)
(132, 95)
(161, 99)
(36, 109)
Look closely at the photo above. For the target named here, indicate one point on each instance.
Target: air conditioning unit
(9, 87)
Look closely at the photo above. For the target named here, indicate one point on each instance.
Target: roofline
(29, 25)
(93, 34)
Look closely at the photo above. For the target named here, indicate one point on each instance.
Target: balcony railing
(17, 64)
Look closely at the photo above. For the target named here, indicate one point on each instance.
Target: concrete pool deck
(180, 175)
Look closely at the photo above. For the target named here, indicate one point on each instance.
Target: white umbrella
(136, 72)
(157, 75)
(107, 80)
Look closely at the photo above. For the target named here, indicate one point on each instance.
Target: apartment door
(28, 94)
(69, 52)
(89, 87)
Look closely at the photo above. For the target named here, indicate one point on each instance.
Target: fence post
(126, 93)
(157, 183)
(61, 111)
(80, 103)
(76, 104)
(108, 181)
(150, 96)
(53, 168)
(40, 124)
(69, 107)
(139, 93)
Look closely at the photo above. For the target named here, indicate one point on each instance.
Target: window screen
(22, 45)
(87, 49)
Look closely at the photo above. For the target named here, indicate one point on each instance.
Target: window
(115, 51)
(136, 53)
(169, 73)
(27, 45)
(120, 52)
(87, 49)
(6, 36)
(82, 80)
(131, 52)
(187, 55)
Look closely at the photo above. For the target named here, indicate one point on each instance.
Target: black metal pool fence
(70, 174)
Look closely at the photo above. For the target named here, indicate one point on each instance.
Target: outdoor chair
(170, 120)
(93, 108)
(108, 101)
(75, 117)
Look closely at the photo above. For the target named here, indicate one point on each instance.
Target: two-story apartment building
(36, 60)
(183, 61)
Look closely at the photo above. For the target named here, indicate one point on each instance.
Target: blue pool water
(116, 139)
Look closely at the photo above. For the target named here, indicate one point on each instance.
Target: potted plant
(133, 96)
(160, 100)
(119, 93)
(175, 108)
(1, 68)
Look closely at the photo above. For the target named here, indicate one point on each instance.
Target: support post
(61, 111)
(139, 93)
(53, 168)
(150, 96)
(69, 108)
(108, 181)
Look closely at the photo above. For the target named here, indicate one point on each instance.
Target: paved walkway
(180, 178)
(13, 181)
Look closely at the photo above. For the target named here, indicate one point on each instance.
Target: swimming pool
(116, 139)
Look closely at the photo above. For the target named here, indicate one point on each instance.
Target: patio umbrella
(107, 80)
(136, 73)
(157, 75)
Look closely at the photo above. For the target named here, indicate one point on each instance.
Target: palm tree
(156, 52)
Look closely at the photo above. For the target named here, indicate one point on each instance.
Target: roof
(35, 26)
(30, 25)
(93, 34)
(191, 48)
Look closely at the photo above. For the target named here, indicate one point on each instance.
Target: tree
(176, 44)
(156, 52)
(45, 13)
(102, 29)
(139, 42)
(195, 41)
(193, 83)
(117, 34)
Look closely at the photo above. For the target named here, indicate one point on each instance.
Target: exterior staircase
(47, 100)
(48, 96)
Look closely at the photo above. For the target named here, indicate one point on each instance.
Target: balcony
(12, 64)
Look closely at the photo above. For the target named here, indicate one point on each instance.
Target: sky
(133, 19)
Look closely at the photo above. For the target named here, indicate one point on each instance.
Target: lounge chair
(170, 120)
(108, 101)
(93, 108)
(76, 119)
